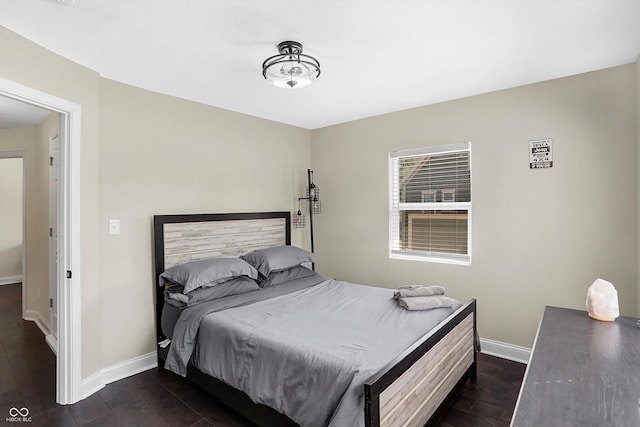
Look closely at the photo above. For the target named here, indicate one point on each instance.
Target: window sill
(459, 260)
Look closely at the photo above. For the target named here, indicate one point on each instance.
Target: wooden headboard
(183, 238)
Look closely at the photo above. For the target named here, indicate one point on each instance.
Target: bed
(401, 383)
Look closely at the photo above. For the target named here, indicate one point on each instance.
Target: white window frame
(395, 207)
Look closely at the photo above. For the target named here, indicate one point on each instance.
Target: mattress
(170, 315)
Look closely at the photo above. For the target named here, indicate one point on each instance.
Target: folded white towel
(418, 291)
(426, 303)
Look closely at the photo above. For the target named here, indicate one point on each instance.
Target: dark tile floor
(159, 398)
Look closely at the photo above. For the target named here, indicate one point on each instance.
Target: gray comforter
(303, 348)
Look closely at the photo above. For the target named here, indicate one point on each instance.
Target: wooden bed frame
(409, 391)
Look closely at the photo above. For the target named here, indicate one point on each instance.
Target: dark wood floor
(159, 398)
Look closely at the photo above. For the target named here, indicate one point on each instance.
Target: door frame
(52, 338)
(68, 361)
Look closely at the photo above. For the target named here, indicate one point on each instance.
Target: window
(430, 204)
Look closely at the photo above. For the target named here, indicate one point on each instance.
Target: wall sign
(540, 154)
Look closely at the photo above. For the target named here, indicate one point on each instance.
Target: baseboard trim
(91, 385)
(505, 351)
(118, 372)
(34, 316)
(52, 340)
(10, 280)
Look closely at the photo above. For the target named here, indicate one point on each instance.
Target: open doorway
(11, 218)
(66, 276)
(28, 215)
(29, 181)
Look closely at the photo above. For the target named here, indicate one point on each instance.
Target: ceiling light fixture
(291, 68)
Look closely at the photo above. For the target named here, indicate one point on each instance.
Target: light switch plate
(114, 227)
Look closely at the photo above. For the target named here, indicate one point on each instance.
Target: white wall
(11, 193)
(540, 237)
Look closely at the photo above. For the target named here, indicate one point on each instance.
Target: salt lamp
(602, 301)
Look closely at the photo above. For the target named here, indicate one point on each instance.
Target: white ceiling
(377, 56)
(17, 114)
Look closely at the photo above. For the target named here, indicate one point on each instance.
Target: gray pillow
(238, 285)
(277, 277)
(207, 272)
(276, 259)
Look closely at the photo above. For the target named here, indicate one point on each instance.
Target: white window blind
(430, 204)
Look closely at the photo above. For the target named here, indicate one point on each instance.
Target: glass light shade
(314, 193)
(298, 220)
(291, 68)
(290, 74)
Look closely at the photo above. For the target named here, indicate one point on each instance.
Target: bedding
(303, 347)
(207, 272)
(277, 258)
(289, 274)
(188, 324)
(169, 318)
(176, 296)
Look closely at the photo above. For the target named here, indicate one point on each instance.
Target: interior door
(54, 149)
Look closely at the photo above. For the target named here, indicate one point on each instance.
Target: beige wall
(162, 155)
(31, 65)
(35, 142)
(10, 217)
(540, 237)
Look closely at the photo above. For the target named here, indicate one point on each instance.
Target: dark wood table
(582, 372)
